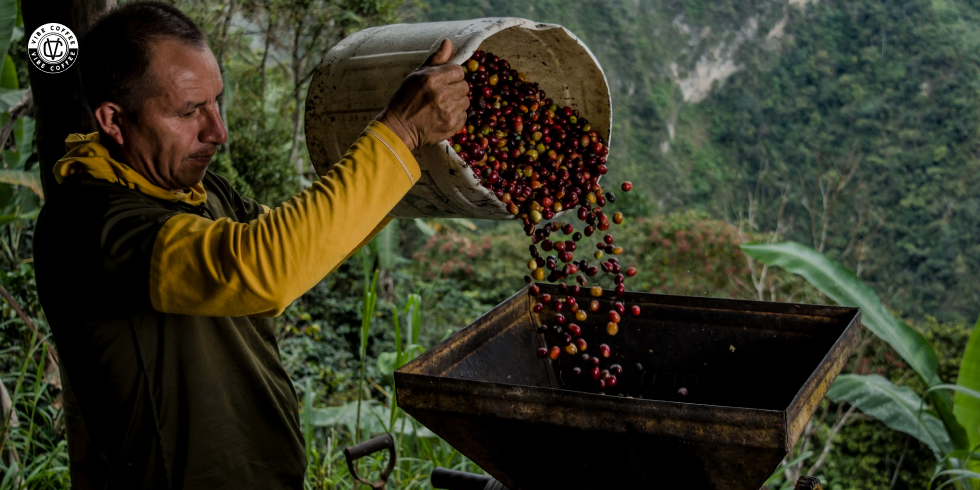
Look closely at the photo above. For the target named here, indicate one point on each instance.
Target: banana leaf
(965, 406)
(8, 74)
(372, 423)
(10, 97)
(424, 227)
(24, 141)
(8, 17)
(27, 178)
(386, 242)
(899, 408)
(845, 288)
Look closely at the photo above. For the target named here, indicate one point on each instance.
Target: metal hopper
(753, 373)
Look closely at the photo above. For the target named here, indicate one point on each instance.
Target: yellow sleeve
(223, 268)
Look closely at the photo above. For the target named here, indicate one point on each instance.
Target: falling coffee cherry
(554, 352)
(604, 350)
(627, 186)
(540, 159)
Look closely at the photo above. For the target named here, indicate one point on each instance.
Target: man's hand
(430, 105)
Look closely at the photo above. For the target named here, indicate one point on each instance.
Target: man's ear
(109, 116)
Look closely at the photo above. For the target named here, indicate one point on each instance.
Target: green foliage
(886, 89)
(967, 407)
(865, 456)
(259, 139)
(897, 407)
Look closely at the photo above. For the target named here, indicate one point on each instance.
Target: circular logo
(53, 48)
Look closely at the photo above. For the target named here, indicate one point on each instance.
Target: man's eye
(189, 114)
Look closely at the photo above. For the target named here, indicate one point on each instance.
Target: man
(159, 280)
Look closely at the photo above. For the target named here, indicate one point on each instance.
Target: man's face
(172, 139)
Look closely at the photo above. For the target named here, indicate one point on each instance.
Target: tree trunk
(297, 98)
(59, 110)
(223, 31)
(59, 103)
(262, 74)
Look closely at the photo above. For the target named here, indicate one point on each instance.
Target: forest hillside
(849, 126)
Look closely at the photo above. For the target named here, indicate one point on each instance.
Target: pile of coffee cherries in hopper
(540, 159)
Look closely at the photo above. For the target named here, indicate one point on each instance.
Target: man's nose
(214, 131)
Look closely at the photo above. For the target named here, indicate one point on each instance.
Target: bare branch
(898, 467)
(25, 106)
(51, 366)
(830, 439)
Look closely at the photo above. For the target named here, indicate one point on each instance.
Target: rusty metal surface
(754, 373)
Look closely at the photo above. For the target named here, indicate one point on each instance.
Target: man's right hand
(430, 105)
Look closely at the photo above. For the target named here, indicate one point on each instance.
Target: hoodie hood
(87, 155)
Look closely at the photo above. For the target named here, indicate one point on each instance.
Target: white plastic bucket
(358, 76)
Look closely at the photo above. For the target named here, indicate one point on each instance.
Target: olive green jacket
(170, 401)
(160, 306)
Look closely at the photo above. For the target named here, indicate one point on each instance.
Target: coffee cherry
(604, 350)
(577, 371)
(571, 349)
(539, 159)
(614, 316)
(682, 391)
(616, 369)
(542, 352)
(627, 186)
(554, 352)
(581, 344)
(612, 328)
(635, 310)
(595, 373)
(631, 272)
(620, 308)
(611, 382)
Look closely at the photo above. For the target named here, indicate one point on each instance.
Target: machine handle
(457, 480)
(365, 448)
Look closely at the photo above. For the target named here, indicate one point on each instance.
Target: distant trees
(268, 51)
